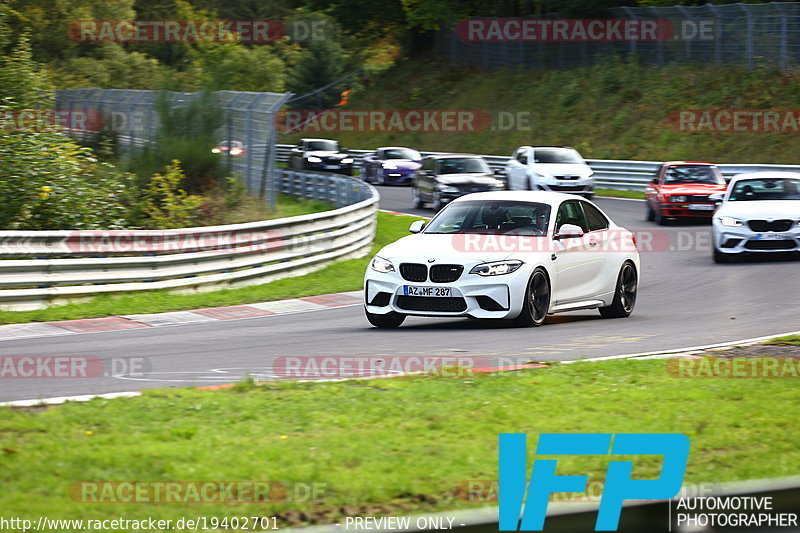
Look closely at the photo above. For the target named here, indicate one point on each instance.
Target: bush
(166, 205)
(47, 182)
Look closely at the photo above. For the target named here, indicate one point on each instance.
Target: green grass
(611, 193)
(789, 340)
(340, 276)
(613, 110)
(387, 446)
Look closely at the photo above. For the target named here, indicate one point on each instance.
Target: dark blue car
(391, 165)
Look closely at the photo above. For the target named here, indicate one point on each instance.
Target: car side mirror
(569, 231)
(717, 197)
(416, 226)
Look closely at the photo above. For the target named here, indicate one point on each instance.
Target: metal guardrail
(623, 175)
(42, 267)
(657, 516)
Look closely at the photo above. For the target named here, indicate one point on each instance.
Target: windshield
(463, 165)
(322, 146)
(693, 174)
(492, 217)
(556, 155)
(401, 153)
(766, 189)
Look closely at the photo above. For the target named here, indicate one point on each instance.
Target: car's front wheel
(624, 294)
(389, 320)
(720, 257)
(537, 300)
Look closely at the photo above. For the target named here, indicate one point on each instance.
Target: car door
(516, 169)
(296, 155)
(577, 264)
(602, 243)
(652, 190)
(369, 162)
(425, 178)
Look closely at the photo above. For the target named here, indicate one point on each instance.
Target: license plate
(331, 166)
(701, 207)
(435, 292)
(772, 237)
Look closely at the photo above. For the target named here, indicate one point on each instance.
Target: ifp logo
(619, 486)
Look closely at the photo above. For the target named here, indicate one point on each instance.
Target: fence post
(783, 59)
(749, 41)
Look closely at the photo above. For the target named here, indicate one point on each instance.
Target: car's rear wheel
(416, 198)
(537, 300)
(624, 294)
(389, 320)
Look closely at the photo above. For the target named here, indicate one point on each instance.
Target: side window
(429, 164)
(594, 217)
(570, 212)
(522, 156)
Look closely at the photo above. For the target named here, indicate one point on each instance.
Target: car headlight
(379, 264)
(730, 221)
(498, 186)
(235, 151)
(390, 166)
(496, 268)
(215, 150)
(677, 199)
(314, 159)
(347, 160)
(447, 188)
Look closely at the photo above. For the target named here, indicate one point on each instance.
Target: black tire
(651, 215)
(624, 293)
(436, 202)
(387, 321)
(416, 199)
(537, 300)
(659, 217)
(722, 258)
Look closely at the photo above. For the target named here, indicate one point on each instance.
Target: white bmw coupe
(518, 255)
(759, 213)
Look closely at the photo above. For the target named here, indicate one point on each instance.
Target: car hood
(692, 188)
(404, 164)
(467, 179)
(761, 209)
(460, 249)
(326, 153)
(563, 169)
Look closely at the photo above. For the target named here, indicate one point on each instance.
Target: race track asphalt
(684, 300)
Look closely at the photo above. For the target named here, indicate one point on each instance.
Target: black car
(443, 178)
(321, 154)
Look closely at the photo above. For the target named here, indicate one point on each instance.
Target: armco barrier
(42, 267)
(608, 173)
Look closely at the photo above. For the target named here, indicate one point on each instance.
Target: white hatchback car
(549, 168)
(759, 213)
(506, 254)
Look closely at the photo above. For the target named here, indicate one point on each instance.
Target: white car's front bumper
(579, 186)
(472, 295)
(741, 239)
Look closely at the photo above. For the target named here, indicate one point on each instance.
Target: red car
(681, 189)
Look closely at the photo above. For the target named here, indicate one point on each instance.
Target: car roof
(546, 197)
(445, 156)
(773, 175)
(695, 163)
(396, 148)
(304, 139)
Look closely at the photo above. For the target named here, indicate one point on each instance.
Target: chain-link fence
(245, 134)
(747, 35)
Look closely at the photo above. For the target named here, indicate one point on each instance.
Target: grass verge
(612, 193)
(387, 446)
(341, 276)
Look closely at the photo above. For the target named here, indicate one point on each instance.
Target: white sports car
(517, 255)
(759, 213)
